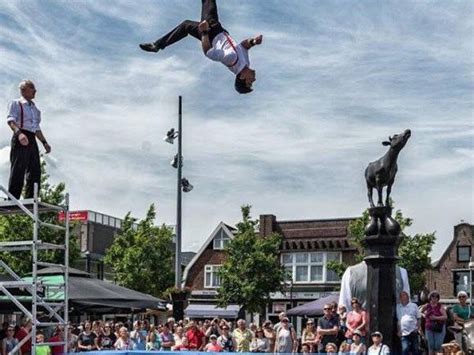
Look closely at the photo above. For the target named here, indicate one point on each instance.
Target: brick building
(450, 274)
(306, 248)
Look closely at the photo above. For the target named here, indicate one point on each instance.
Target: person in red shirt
(196, 338)
(22, 333)
(57, 337)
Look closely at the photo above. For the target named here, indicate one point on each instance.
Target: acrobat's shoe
(149, 47)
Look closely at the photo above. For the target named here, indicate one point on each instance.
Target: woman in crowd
(309, 336)
(72, 339)
(435, 323)
(86, 340)
(9, 342)
(213, 346)
(225, 339)
(378, 347)
(178, 337)
(138, 335)
(356, 320)
(259, 343)
(270, 334)
(286, 341)
(106, 338)
(153, 339)
(331, 348)
(357, 347)
(124, 342)
(167, 338)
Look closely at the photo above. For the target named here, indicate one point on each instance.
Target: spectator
(242, 337)
(183, 346)
(280, 317)
(330, 348)
(328, 327)
(106, 338)
(435, 319)
(153, 340)
(41, 349)
(310, 337)
(286, 340)
(357, 347)
(167, 338)
(138, 336)
(117, 327)
(342, 312)
(462, 312)
(72, 339)
(57, 337)
(171, 324)
(178, 337)
(213, 346)
(378, 348)
(9, 341)
(4, 330)
(22, 333)
(225, 339)
(305, 350)
(259, 343)
(196, 338)
(270, 334)
(124, 342)
(213, 328)
(86, 340)
(344, 348)
(408, 316)
(356, 320)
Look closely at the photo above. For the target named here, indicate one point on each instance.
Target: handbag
(437, 327)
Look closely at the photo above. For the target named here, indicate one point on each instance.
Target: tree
(20, 227)
(414, 251)
(141, 255)
(252, 269)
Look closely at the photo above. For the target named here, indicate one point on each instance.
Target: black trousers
(24, 160)
(188, 27)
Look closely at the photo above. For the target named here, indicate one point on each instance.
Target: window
(211, 276)
(461, 281)
(310, 267)
(91, 216)
(464, 253)
(221, 240)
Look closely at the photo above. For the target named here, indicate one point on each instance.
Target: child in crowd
(41, 349)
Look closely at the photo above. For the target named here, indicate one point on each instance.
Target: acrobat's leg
(209, 12)
(185, 28)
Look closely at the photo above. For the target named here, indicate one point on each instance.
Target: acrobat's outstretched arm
(204, 31)
(250, 42)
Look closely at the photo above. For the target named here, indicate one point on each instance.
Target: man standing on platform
(24, 119)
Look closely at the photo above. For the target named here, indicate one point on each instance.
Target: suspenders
(21, 115)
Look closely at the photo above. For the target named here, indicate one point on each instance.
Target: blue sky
(334, 79)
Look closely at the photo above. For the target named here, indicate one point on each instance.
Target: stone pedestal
(381, 247)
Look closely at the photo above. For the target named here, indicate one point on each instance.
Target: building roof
(436, 264)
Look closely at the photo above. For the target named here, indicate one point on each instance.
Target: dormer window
(464, 253)
(221, 240)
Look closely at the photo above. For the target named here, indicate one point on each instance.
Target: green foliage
(141, 255)
(414, 251)
(252, 270)
(20, 227)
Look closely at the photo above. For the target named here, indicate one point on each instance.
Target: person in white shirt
(408, 316)
(378, 348)
(216, 43)
(24, 119)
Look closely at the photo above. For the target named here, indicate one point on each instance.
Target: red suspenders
(21, 115)
(233, 47)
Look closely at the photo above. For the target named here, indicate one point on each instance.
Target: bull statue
(382, 172)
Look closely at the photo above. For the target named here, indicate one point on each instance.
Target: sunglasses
(11, 330)
(327, 309)
(462, 297)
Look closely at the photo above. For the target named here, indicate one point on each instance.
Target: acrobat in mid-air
(216, 43)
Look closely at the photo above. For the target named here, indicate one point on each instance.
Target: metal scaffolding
(57, 311)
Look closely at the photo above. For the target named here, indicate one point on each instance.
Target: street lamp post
(178, 198)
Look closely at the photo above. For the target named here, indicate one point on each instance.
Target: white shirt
(225, 50)
(31, 115)
(407, 317)
(360, 284)
(373, 350)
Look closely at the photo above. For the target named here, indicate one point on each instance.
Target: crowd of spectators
(337, 331)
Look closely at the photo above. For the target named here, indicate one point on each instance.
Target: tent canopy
(89, 294)
(314, 308)
(211, 311)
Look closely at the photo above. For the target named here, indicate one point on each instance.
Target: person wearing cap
(378, 347)
(328, 327)
(408, 320)
(435, 323)
(23, 118)
(357, 346)
(462, 311)
(216, 43)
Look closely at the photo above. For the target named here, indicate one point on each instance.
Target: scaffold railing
(36, 302)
